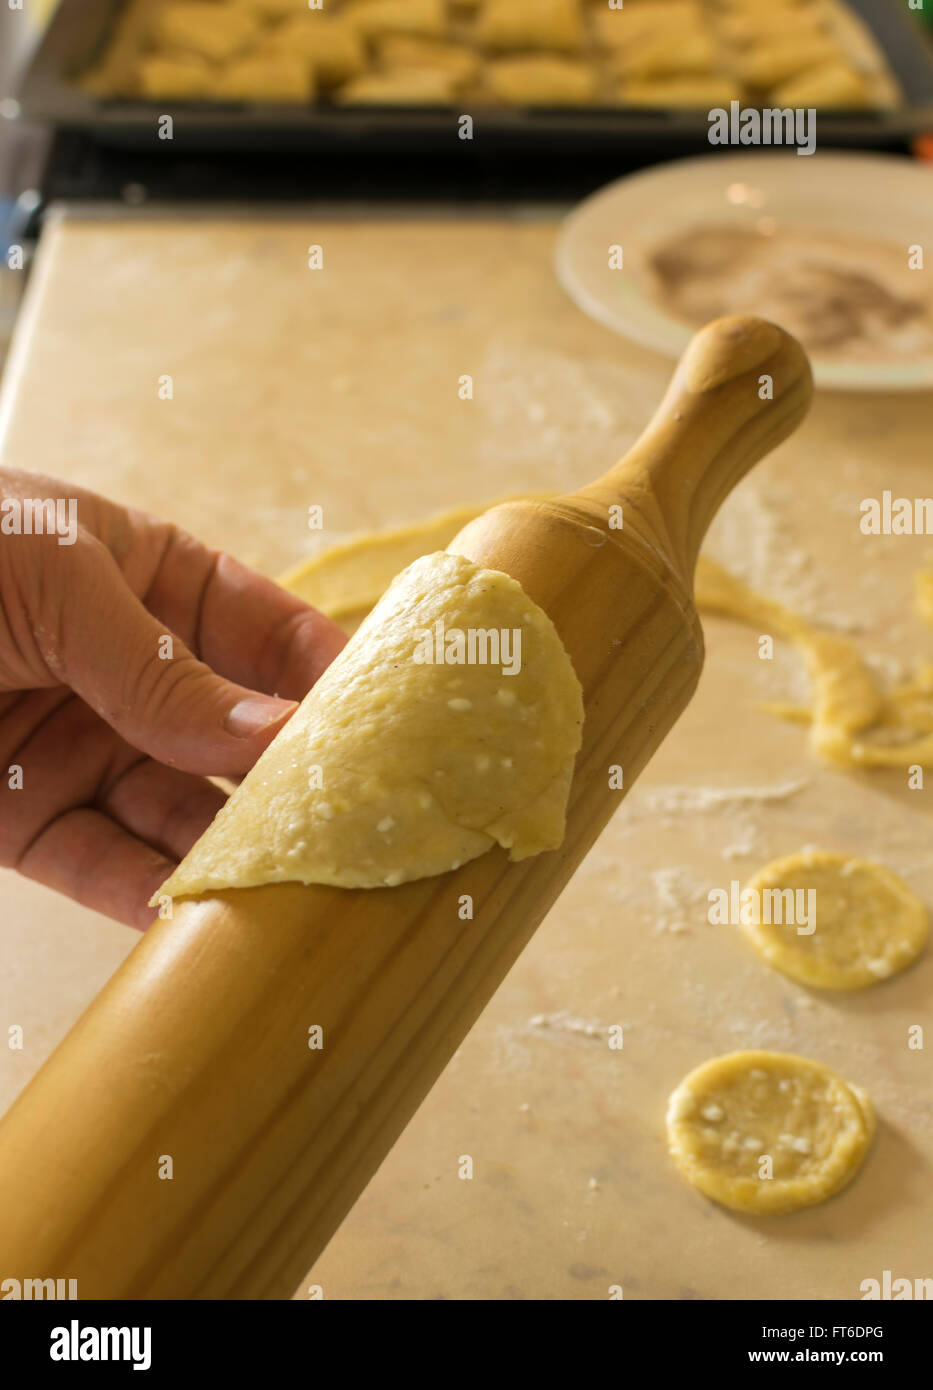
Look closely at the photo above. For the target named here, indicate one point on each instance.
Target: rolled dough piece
(733, 1113)
(398, 767)
(868, 924)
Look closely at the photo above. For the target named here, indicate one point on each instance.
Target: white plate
(880, 196)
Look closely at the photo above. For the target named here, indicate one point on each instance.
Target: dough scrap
(852, 722)
(422, 766)
(845, 697)
(729, 1113)
(868, 924)
(346, 579)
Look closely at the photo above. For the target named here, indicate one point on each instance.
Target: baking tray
(79, 29)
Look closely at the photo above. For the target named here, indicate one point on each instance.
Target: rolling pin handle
(741, 387)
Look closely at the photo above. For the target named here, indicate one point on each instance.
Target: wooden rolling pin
(197, 1048)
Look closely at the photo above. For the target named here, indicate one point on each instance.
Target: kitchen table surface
(340, 387)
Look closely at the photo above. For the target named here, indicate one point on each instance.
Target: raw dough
(868, 923)
(845, 698)
(853, 723)
(423, 766)
(729, 1113)
(346, 579)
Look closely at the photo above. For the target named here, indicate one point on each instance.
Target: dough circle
(868, 924)
(729, 1113)
(450, 722)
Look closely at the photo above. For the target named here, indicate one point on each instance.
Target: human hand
(114, 727)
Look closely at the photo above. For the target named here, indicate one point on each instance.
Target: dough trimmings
(768, 1132)
(866, 923)
(449, 723)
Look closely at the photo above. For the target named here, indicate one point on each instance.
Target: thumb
(146, 683)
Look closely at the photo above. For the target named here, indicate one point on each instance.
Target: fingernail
(255, 713)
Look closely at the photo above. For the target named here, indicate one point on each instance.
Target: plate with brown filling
(832, 246)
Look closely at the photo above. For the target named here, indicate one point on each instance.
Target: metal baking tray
(79, 29)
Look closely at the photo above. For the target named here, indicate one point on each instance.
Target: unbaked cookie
(767, 1132)
(867, 924)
